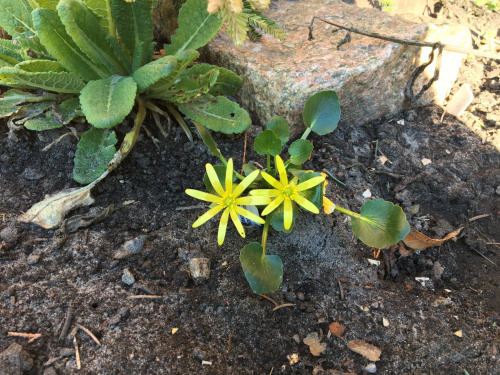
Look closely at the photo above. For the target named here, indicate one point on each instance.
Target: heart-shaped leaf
(381, 224)
(267, 143)
(277, 218)
(263, 272)
(300, 151)
(280, 127)
(322, 112)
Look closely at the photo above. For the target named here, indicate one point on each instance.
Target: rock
(199, 268)
(9, 234)
(130, 247)
(371, 368)
(127, 277)
(497, 190)
(199, 354)
(417, 7)
(368, 74)
(67, 352)
(33, 259)
(15, 360)
(49, 371)
(32, 174)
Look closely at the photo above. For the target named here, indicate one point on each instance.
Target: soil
(446, 323)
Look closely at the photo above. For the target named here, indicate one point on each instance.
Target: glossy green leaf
(218, 114)
(102, 8)
(314, 194)
(300, 151)
(196, 27)
(249, 168)
(277, 218)
(280, 127)
(221, 173)
(46, 121)
(381, 224)
(267, 143)
(95, 150)
(133, 23)
(59, 44)
(106, 103)
(63, 82)
(86, 31)
(15, 16)
(188, 88)
(322, 112)
(264, 273)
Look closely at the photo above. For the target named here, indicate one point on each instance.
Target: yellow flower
(328, 205)
(286, 193)
(228, 200)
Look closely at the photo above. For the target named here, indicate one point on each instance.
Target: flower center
(228, 201)
(289, 190)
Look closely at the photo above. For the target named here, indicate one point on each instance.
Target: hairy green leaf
(280, 127)
(322, 112)
(107, 102)
(9, 49)
(133, 23)
(267, 143)
(381, 224)
(6, 61)
(11, 100)
(95, 150)
(33, 48)
(85, 30)
(218, 114)
(48, 4)
(54, 37)
(263, 272)
(196, 27)
(15, 16)
(190, 87)
(47, 121)
(102, 9)
(39, 66)
(300, 151)
(63, 82)
(227, 82)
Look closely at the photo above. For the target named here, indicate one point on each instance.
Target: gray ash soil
(327, 274)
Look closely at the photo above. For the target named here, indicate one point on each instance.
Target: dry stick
(67, 322)
(31, 336)
(145, 296)
(405, 41)
(77, 354)
(87, 331)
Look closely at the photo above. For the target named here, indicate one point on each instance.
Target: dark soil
(327, 274)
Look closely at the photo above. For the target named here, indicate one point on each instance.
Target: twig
(145, 296)
(276, 304)
(341, 289)
(190, 207)
(87, 331)
(67, 322)
(77, 354)
(3, 217)
(492, 243)
(479, 217)
(394, 175)
(485, 257)
(32, 336)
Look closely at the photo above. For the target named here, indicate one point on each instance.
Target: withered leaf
(419, 241)
(316, 347)
(368, 351)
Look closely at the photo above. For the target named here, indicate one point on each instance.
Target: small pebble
(10, 234)
(49, 371)
(371, 368)
(130, 247)
(32, 174)
(300, 296)
(199, 354)
(15, 360)
(498, 190)
(33, 259)
(127, 277)
(67, 352)
(199, 268)
(296, 338)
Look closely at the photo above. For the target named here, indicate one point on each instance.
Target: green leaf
(46, 121)
(86, 31)
(159, 75)
(48, 4)
(8, 48)
(106, 103)
(95, 150)
(6, 61)
(32, 47)
(267, 143)
(300, 151)
(68, 110)
(133, 23)
(196, 27)
(54, 37)
(381, 224)
(102, 8)
(63, 82)
(218, 114)
(278, 218)
(41, 66)
(227, 82)
(280, 127)
(189, 88)
(221, 174)
(208, 140)
(264, 273)
(15, 17)
(32, 110)
(314, 194)
(322, 112)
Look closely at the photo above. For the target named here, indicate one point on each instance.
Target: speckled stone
(368, 74)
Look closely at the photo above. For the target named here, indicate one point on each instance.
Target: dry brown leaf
(336, 329)
(419, 241)
(368, 351)
(316, 347)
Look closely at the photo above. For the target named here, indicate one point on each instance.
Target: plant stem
(268, 163)
(264, 235)
(306, 133)
(348, 212)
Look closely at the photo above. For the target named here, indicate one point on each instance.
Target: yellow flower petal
(223, 227)
(245, 183)
(252, 201)
(288, 213)
(265, 192)
(281, 170)
(214, 180)
(237, 222)
(207, 215)
(304, 203)
(272, 181)
(229, 177)
(249, 215)
(203, 196)
(328, 205)
(310, 183)
(273, 205)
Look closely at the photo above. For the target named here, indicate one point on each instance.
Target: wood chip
(174, 330)
(368, 351)
(458, 333)
(426, 161)
(336, 329)
(77, 354)
(315, 346)
(385, 322)
(383, 159)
